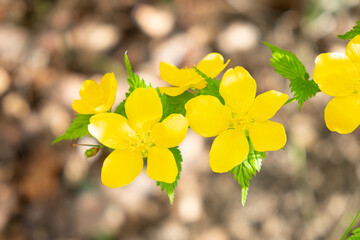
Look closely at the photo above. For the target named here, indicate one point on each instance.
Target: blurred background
(48, 47)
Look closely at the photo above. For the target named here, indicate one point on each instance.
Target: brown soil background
(47, 48)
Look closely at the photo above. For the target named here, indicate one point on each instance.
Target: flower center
(240, 121)
(141, 142)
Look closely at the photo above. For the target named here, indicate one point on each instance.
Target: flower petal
(267, 136)
(161, 165)
(90, 93)
(353, 51)
(143, 108)
(207, 116)
(108, 85)
(170, 132)
(80, 107)
(111, 129)
(199, 85)
(229, 149)
(342, 114)
(212, 64)
(120, 168)
(174, 91)
(238, 89)
(172, 75)
(335, 74)
(267, 104)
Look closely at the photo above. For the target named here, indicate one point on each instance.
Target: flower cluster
(146, 126)
(150, 123)
(338, 75)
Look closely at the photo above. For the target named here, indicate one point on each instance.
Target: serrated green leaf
(77, 129)
(356, 235)
(134, 80)
(177, 104)
(120, 109)
(170, 187)
(212, 86)
(352, 33)
(289, 66)
(165, 105)
(243, 172)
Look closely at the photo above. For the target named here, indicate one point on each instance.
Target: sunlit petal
(207, 116)
(80, 107)
(174, 91)
(267, 104)
(120, 168)
(238, 89)
(267, 136)
(199, 85)
(90, 93)
(212, 64)
(111, 129)
(342, 114)
(170, 132)
(143, 108)
(335, 74)
(353, 51)
(171, 74)
(229, 149)
(108, 85)
(161, 165)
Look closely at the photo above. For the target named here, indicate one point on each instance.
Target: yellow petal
(143, 108)
(120, 168)
(173, 91)
(108, 85)
(199, 85)
(267, 136)
(267, 104)
(171, 74)
(80, 107)
(212, 64)
(335, 74)
(353, 51)
(111, 129)
(90, 93)
(170, 132)
(207, 116)
(238, 89)
(229, 149)
(342, 114)
(161, 165)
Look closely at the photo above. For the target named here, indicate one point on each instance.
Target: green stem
(350, 227)
(290, 100)
(85, 145)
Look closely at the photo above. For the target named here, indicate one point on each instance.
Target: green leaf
(120, 109)
(352, 33)
(134, 80)
(289, 66)
(243, 172)
(177, 104)
(170, 187)
(77, 129)
(212, 86)
(356, 235)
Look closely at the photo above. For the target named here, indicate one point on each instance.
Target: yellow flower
(242, 115)
(186, 78)
(338, 75)
(139, 136)
(96, 98)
